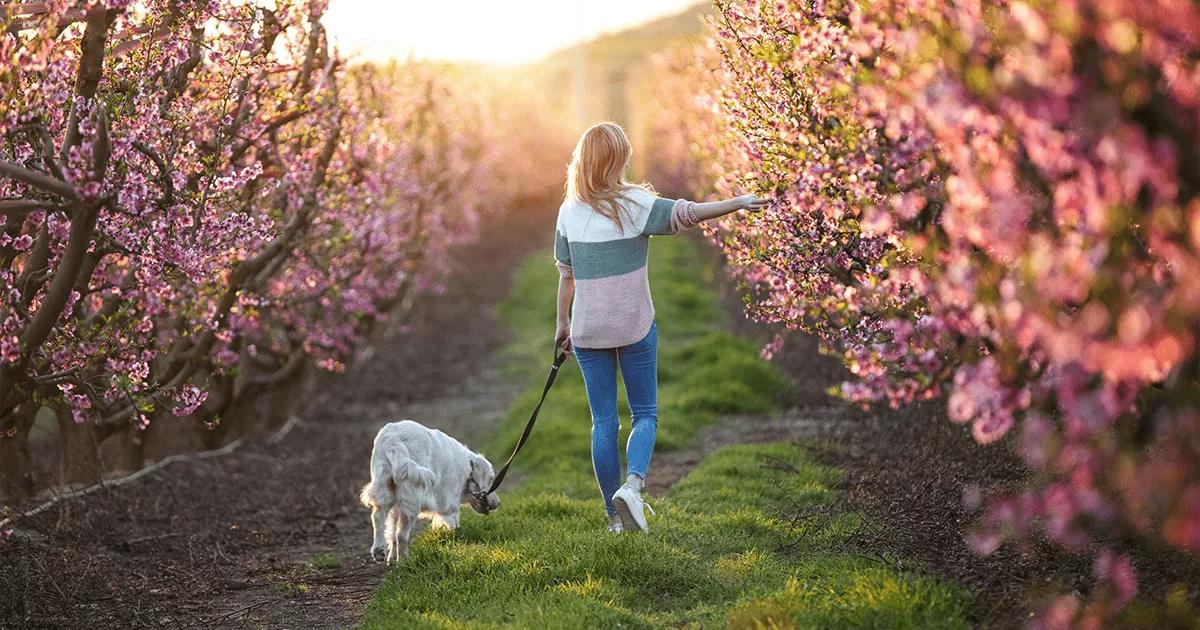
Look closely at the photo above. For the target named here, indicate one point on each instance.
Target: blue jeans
(639, 370)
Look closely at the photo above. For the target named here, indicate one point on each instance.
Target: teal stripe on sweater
(660, 218)
(608, 258)
(562, 251)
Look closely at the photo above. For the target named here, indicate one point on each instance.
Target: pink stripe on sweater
(683, 215)
(612, 312)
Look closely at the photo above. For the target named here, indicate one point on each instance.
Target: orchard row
(200, 203)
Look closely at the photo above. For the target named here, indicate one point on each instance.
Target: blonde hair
(596, 175)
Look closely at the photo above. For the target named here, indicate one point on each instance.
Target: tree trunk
(215, 408)
(283, 399)
(133, 448)
(236, 420)
(16, 472)
(78, 460)
(323, 380)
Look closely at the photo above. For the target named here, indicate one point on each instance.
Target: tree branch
(38, 179)
(271, 127)
(290, 367)
(18, 207)
(39, 258)
(132, 41)
(43, 135)
(164, 173)
(91, 66)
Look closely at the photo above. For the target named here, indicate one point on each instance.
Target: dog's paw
(375, 553)
(397, 553)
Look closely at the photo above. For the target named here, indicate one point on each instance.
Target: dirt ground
(271, 535)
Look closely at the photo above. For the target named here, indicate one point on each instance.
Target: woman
(600, 246)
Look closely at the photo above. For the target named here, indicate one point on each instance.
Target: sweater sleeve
(669, 216)
(562, 254)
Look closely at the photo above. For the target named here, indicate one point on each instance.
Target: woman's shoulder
(567, 207)
(571, 212)
(641, 195)
(639, 202)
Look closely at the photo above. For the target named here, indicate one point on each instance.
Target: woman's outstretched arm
(566, 291)
(713, 209)
(670, 217)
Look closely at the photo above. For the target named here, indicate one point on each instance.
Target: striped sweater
(612, 305)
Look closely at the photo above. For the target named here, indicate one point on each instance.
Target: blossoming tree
(198, 202)
(995, 200)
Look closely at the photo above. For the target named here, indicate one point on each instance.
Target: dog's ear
(480, 469)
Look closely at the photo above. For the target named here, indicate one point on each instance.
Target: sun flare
(495, 32)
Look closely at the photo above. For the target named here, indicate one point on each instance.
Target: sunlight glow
(506, 32)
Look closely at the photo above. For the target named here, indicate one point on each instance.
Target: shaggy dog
(417, 471)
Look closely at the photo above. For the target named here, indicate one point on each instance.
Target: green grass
(323, 561)
(748, 539)
(292, 589)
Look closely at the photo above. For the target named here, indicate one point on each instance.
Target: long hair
(596, 175)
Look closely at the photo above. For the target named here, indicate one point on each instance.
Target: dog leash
(559, 358)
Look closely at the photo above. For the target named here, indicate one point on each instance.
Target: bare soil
(271, 535)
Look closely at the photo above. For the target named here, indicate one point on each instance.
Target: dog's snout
(493, 501)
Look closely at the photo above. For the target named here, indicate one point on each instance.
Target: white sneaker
(631, 508)
(614, 524)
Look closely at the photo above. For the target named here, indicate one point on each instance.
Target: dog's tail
(389, 470)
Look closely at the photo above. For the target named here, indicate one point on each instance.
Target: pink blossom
(22, 242)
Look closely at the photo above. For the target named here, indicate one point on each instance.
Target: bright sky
(499, 31)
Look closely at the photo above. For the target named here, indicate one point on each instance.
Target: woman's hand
(562, 337)
(750, 202)
(713, 209)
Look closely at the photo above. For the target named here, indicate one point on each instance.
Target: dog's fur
(418, 471)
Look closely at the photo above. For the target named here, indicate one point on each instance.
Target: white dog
(418, 471)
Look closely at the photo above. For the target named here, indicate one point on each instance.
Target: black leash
(559, 359)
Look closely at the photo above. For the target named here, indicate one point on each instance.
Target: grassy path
(747, 539)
